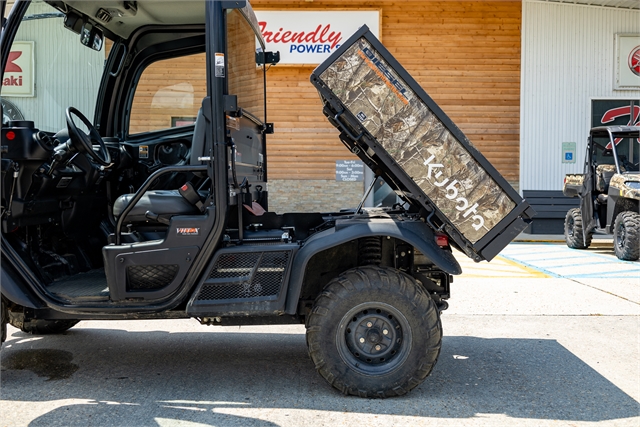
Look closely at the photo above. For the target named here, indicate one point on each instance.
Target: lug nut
(378, 348)
(385, 331)
(362, 340)
(369, 324)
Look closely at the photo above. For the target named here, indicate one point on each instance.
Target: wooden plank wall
(466, 55)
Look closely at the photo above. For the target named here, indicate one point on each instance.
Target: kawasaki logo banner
(18, 74)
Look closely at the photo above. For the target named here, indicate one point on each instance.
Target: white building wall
(66, 72)
(567, 60)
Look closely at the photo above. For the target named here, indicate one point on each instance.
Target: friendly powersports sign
(308, 37)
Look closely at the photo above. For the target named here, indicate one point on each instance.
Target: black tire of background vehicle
(573, 230)
(364, 302)
(4, 320)
(626, 236)
(46, 327)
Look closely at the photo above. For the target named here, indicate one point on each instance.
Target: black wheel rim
(570, 226)
(374, 338)
(620, 236)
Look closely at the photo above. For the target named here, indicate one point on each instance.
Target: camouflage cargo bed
(391, 123)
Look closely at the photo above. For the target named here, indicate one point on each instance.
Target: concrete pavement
(527, 341)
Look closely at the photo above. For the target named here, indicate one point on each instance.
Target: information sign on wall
(349, 170)
(309, 37)
(627, 61)
(568, 152)
(18, 74)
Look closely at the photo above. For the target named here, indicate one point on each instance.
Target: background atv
(609, 190)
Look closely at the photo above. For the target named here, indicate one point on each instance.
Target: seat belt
(191, 195)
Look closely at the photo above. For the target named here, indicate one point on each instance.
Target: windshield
(627, 149)
(49, 70)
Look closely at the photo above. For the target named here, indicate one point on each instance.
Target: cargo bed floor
(93, 283)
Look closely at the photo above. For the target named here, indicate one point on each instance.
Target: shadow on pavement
(142, 378)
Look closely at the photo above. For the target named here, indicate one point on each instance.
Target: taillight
(442, 240)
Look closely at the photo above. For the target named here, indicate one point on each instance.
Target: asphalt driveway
(543, 335)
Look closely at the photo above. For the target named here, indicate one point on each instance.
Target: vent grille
(266, 281)
(234, 265)
(104, 16)
(147, 277)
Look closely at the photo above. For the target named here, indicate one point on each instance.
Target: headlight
(633, 184)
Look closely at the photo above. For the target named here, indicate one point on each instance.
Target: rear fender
(414, 233)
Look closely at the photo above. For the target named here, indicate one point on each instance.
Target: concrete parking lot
(543, 335)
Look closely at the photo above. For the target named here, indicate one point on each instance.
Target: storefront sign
(349, 170)
(18, 74)
(615, 112)
(310, 37)
(627, 61)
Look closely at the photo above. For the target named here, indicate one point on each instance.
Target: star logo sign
(634, 61)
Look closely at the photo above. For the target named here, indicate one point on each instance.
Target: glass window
(246, 79)
(169, 94)
(49, 70)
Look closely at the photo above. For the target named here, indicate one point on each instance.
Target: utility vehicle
(127, 196)
(609, 191)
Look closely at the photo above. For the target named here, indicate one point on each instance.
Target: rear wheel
(374, 332)
(626, 236)
(573, 233)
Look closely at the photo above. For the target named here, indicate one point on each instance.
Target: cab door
(246, 120)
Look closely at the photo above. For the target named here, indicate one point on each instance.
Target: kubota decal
(462, 204)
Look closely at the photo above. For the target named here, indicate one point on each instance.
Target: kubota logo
(462, 204)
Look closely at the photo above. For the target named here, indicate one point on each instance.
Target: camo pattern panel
(603, 176)
(572, 184)
(620, 182)
(418, 141)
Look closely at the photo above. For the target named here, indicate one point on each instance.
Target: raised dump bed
(391, 123)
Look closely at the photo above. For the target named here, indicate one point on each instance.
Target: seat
(166, 203)
(604, 173)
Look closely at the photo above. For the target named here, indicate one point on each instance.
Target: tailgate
(391, 123)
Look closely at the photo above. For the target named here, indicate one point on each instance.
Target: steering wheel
(84, 142)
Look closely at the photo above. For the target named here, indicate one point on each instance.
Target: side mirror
(91, 36)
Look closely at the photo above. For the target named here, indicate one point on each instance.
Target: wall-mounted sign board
(18, 74)
(349, 170)
(309, 37)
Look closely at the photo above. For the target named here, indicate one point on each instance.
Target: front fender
(14, 291)
(415, 233)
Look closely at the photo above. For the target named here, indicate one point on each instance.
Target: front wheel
(42, 326)
(4, 318)
(374, 332)
(573, 230)
(626, 236)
